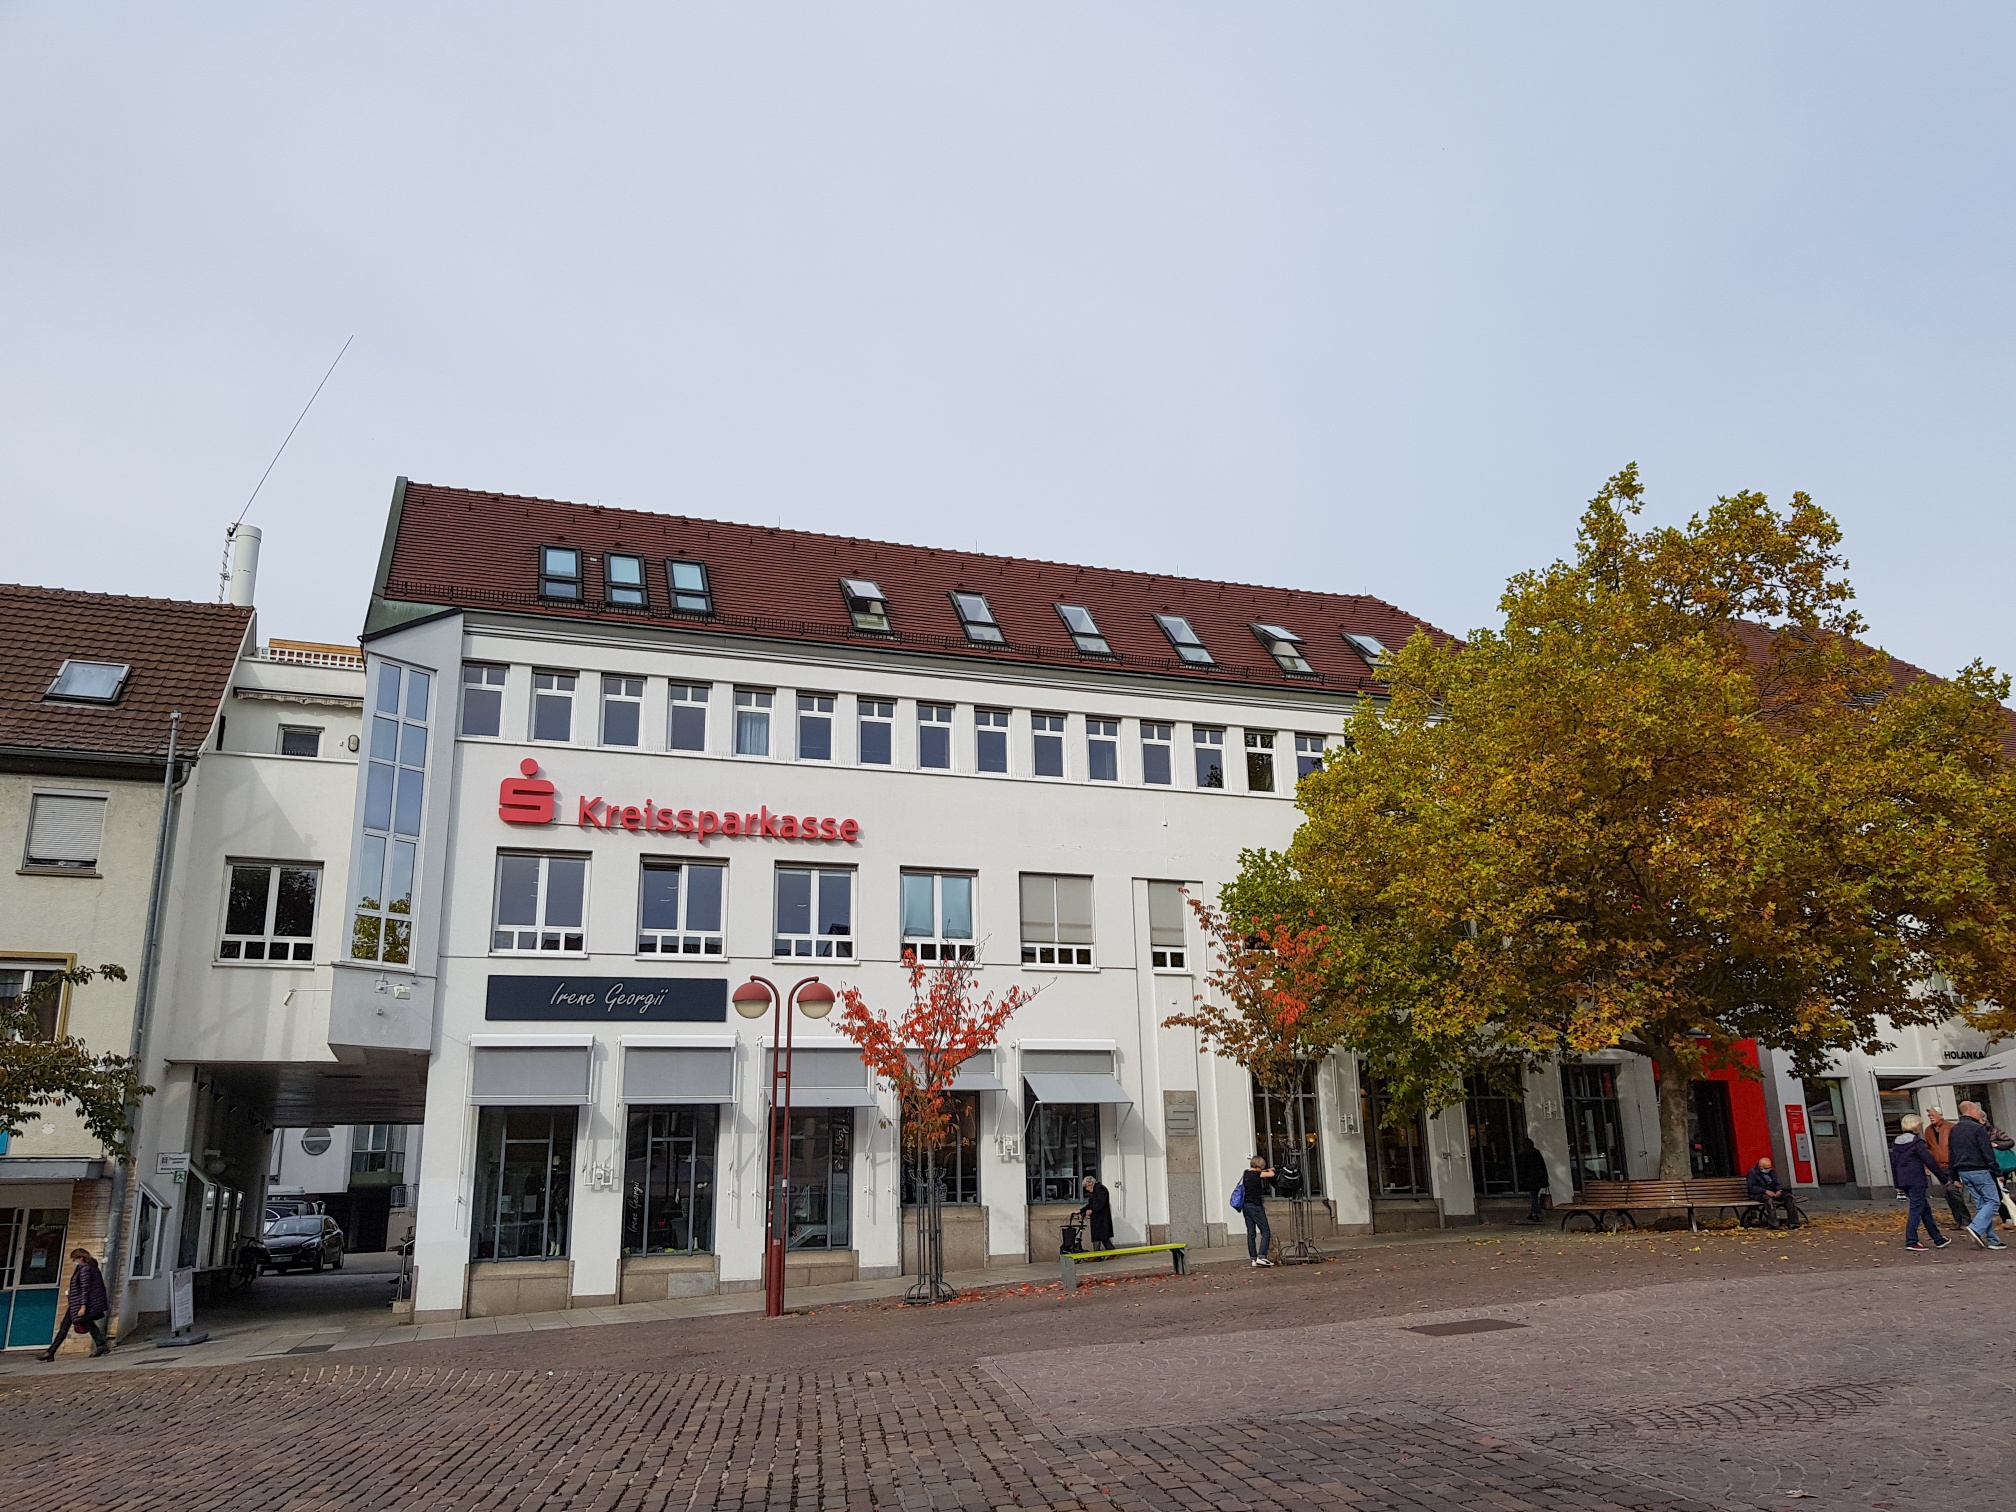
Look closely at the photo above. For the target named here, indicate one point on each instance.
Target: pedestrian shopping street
(1656, 1370)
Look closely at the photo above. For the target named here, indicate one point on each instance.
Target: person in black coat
(1099, 1210)
(1911, 1162)
(85, 1306)
(1530, 1167)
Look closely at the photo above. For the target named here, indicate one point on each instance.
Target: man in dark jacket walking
(1530, 1167)
(1911, 1162)
(1772, 1196)
(1973, 1151)
(85, 1307)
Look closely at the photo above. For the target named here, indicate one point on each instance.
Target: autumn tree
(947, 1023)
(39, 1069)
(1275, 1003)
(1673, 803)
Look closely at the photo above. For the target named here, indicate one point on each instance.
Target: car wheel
(337, 1263)
(315, 1266)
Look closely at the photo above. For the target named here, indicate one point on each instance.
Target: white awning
(2000, 1066)
(535, 1075)
(826, 1076)
(1054, 1088)
(678, 1073)
(977, 1073)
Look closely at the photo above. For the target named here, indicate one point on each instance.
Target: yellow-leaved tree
(1675, 802)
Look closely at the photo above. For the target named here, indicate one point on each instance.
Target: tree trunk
(1676, 1092)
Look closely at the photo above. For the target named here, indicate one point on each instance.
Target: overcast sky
(1365, 298)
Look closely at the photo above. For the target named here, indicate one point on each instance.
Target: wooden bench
(1601, 1201)
(1070, 1262)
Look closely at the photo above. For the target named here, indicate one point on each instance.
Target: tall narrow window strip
(691, 593)
(1085, 633)
(1184, 639)
(381, 926)
(977, 619)
(1167, 943)
(623, 580)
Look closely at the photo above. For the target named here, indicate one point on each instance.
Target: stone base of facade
(505, 1288)
(1403, 1215)
(965, 1239)
(659, 1278)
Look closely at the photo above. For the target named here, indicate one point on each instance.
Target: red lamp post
(753, 999)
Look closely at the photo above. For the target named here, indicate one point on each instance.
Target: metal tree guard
(752, 999)
(930, 1283)
(1301, 1248)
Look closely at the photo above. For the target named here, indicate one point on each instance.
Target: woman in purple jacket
(85, 1307)
(1911, 1162)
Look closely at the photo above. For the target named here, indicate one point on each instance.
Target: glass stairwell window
(938, 916)
(381, 927)
(1056, 921)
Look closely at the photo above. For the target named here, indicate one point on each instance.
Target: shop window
(668, 1180)
(300, 740)
(1167, 944)
(1289, 1130)
(938, 915)
(957, 1156)
(1184, 639)
(691, 593)
(1398, 1153)
(1046, 750)
(990, 740)
(1060, 1149)
(1259, 761)
(875, 731)
(540, 903)
(1156, 748)
(524, 1176)
(18, 979)
(1085, 634)
(623, 580)
(821, 1178)
(1595, 1123)
(553, 706)
(752, 721)
(381, 927)
(622, 710)
(377, 1154)
(1286, 648)
(269, 912)
(815, 913)
(679, 909)
(1497, 1123)
(1102, 750)
(1308, 755)
(64, 831)
(934, 736)
(815, 726)
(977, 619)
(687, 720)
(42, 1247)
(1209, 745)
(482, 698)
(1894, 1101)
(1056, 921)
(559, 573)
(866, 606)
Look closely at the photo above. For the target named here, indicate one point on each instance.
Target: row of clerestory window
(561, 577)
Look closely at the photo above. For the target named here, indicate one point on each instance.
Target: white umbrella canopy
(2001, 1066)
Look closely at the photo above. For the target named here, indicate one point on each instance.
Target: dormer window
(1368, 646)
(865, 604)
(978, 619)
(1184, 639)
(559, 573)
(1285, 646)
(688, 582)
(89, 681)
(1084, 630)
(623, 580)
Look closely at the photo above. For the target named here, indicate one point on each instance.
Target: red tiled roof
(472, 550)
(181, 656)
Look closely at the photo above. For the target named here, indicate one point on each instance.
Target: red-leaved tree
(947, 1023)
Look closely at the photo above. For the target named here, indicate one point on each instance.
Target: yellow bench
(1071, 1262)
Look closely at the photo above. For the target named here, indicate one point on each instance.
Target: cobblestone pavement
(1730, 1388)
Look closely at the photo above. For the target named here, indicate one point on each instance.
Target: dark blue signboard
(613, 1000)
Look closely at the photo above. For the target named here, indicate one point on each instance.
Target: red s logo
(527, 799)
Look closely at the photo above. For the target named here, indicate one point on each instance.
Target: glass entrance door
(821, 1179)
(1827, 1118)
(1398, 1155)
(1711, 1131)
(31, 1263)
(1595, 1126)
(1497, 1132)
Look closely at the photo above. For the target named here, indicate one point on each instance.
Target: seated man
(1761, 1182)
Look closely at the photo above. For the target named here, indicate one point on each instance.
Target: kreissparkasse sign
(531, 799)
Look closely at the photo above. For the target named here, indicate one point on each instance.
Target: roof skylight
(1084, 630)
(89, 681)
(865, 604)
(1184, 639)
(978, 619)
(1285, 646)
(1368, 646)
(559, 572)
(623, 580)
(688, 582)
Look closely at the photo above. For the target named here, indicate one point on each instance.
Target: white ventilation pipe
(244, 564)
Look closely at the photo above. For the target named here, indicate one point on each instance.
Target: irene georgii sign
(607, 1000)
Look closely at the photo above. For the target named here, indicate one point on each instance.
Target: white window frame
(1199, 743)
(280, 743)
(483, 683)
(1047, 726)
(1107, 733)
(936, 945)
(622, 695)
(1056, 953)
(687, 696)
(988, 721)
(1158, 732)
(558, 685)
(816, 706)
(756, 705)
(1163, 956)
(684, 942)
(936, 717)
(567, 939)
(1261, 743)
(72, 867)
(878, 711)
(838, 947)
(267, 938)
(1307, 746)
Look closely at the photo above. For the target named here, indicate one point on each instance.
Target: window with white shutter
(1056, 921)
(64, 831)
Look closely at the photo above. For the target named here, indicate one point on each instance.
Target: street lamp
(753, 999)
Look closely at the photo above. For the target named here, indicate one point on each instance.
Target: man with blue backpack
(1249, 1200)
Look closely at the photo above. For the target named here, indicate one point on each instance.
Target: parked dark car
(310, 1240)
